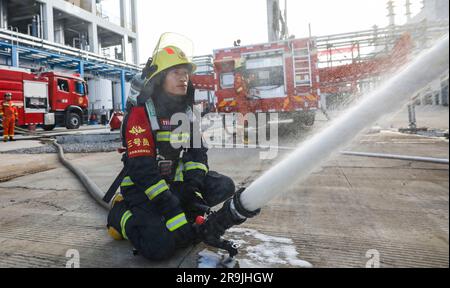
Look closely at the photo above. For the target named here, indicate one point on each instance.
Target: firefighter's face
(176, 81)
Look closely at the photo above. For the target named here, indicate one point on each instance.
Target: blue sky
(213, 24)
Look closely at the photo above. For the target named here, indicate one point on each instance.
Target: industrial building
(97, 39)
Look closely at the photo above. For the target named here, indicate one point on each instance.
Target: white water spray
(394, 94)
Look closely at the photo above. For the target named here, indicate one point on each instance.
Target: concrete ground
(350, 207)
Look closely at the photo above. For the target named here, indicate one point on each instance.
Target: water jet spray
(391, 96)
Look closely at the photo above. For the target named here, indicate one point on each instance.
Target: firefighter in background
(8, 111)
(164, 188)
(240, 83)
(241, 89)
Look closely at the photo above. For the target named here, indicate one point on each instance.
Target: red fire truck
(47, 98)
(279, 77)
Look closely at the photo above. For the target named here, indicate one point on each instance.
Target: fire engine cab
(46, 98)
(279, 77)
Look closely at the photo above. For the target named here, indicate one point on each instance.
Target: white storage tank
(100, 94)
(117, 92)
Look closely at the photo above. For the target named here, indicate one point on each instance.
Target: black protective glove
(231, 214)
(190, 201)
(219, 222)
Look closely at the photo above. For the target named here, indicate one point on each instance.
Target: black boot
(12, 139)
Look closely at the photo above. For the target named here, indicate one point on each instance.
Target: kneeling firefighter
(165, 187)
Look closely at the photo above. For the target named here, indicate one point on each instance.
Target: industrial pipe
(394, 94)
(397, 157)
(351, 153)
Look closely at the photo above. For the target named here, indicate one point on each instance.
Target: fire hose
(90, 186)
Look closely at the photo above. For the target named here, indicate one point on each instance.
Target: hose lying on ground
(90, 186)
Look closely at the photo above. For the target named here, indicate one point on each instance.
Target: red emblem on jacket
(139, 135)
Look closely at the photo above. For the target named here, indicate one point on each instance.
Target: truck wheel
(73, 121)
(310, 119)
(49, 127)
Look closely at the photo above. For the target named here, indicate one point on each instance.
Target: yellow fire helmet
(173, 49)
(168, 57)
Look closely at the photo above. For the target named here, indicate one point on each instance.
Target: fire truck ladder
(302, 65)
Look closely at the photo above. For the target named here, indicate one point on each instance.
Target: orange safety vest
(8, 110)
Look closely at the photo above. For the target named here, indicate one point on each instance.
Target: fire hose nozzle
(217, 223)
(239, 209)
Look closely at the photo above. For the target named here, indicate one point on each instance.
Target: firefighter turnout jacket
(153, 164)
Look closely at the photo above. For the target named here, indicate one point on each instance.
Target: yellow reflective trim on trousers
(179, 177)
(127, 182)
(195, 165)
(123, 223)
(176, 222)
(156, 189)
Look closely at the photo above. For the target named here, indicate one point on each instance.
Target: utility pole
(391, 17)
(285, 28)
(273, 20)
(408, 10)
(391, 13)
(276, 21)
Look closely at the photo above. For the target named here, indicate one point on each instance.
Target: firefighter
(240, 84)
(241, 89)
(165, 186)
(10, 115)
